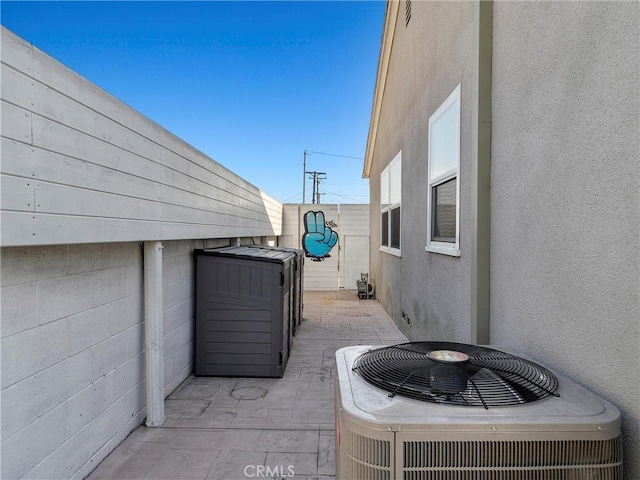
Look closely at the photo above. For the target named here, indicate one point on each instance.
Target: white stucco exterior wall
(564, 257)
(430, 57)
(566, 194)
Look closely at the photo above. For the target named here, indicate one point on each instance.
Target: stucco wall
(429, 58)
(565, 195)
(565, 188)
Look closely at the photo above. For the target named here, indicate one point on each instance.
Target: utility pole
(315, 196)
(304, 175)
(316, 177)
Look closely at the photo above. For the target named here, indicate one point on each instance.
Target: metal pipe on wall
(481, 172)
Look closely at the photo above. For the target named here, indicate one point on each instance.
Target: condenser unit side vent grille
(511, 454)
(358, 471)
(366, 457)
(369, 450)
(609, 473)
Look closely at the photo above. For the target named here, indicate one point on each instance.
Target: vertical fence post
(154, 357)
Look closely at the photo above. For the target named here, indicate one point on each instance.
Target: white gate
(333, 263)
(355, 252)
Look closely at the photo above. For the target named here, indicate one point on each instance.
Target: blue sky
(252, 84)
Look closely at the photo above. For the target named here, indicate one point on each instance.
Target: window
(390, 199)
(443, 195)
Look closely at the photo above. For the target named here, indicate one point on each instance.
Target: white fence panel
(102, 172)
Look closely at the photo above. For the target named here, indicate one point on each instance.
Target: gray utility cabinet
(297, 291)
(244, 311)
(298, 286)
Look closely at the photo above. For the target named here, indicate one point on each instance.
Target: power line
(335, 155)
(344, 196)
(286, 200)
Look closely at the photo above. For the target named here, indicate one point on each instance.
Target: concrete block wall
(73, 376)
(179, 311)
(178, 278)
(72, 356)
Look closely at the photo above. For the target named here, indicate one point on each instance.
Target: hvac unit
(450, 411)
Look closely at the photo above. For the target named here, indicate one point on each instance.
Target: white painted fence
(79, 166)
(349, 256)
(85, 179)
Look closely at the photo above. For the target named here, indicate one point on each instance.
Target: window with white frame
(390, 200)
(443, 191)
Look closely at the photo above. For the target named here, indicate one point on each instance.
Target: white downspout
(154, 356)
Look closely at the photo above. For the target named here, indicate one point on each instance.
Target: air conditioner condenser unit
(449, 411)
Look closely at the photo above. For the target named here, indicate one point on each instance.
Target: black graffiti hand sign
(318, 239)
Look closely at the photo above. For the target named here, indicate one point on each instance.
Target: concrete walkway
(239, 428)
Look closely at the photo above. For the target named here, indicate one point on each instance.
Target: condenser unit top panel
(574, 410)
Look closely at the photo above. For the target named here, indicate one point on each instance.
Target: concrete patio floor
(238, 428)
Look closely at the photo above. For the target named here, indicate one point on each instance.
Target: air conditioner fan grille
(476, 376)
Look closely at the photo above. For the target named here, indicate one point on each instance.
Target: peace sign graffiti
(318, 238)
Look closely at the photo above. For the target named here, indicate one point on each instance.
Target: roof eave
(390, 17)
